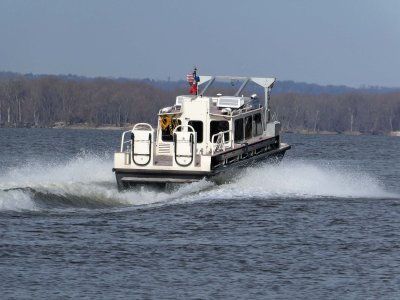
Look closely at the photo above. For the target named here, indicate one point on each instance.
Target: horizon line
(360, 87)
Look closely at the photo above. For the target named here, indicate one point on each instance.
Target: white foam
(81, 169)
(79, 176)
(86, 176)
(145, 196)
(90, 176)
(16, 201)
(300, 179)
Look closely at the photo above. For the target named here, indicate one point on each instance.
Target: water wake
(83, 182)
(87, 182)
(300, 180)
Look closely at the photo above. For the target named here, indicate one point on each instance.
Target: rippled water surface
(325, 223)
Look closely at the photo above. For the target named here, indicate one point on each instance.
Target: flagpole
(195, 80)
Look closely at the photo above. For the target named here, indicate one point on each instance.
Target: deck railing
(219, 143)
(126, 145)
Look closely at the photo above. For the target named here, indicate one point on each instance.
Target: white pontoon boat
(200, 136)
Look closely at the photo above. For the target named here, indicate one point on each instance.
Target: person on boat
(193, 89)
(193, 80)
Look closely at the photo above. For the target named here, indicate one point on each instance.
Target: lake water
(323, 224)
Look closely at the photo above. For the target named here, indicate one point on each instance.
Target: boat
(201, 136)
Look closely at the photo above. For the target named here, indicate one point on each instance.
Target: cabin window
(258, 130)
(167, 133)
(218, 126)
(198, 127)
(238, 130)
(248, 125)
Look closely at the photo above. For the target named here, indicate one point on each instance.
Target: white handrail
(123, 142)
(184, 126)
(192, 141)
(135, 127)
(220, 143)
(142, 124)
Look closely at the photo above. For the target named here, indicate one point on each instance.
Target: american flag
(190, 78)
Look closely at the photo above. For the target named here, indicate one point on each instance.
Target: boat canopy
(266, 82)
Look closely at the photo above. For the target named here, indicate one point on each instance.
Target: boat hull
(220, 173)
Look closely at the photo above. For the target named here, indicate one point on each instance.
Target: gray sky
(351, 42)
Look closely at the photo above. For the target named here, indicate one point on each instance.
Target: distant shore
(297, 131)
(83, 126)
(100, 127)
(111, 104)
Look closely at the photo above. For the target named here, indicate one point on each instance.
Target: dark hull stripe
(125, 178)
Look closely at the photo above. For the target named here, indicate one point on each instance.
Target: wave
(301, 180)
(87, 181)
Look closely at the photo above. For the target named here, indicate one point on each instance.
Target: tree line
(354, 112)
(49, 100)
